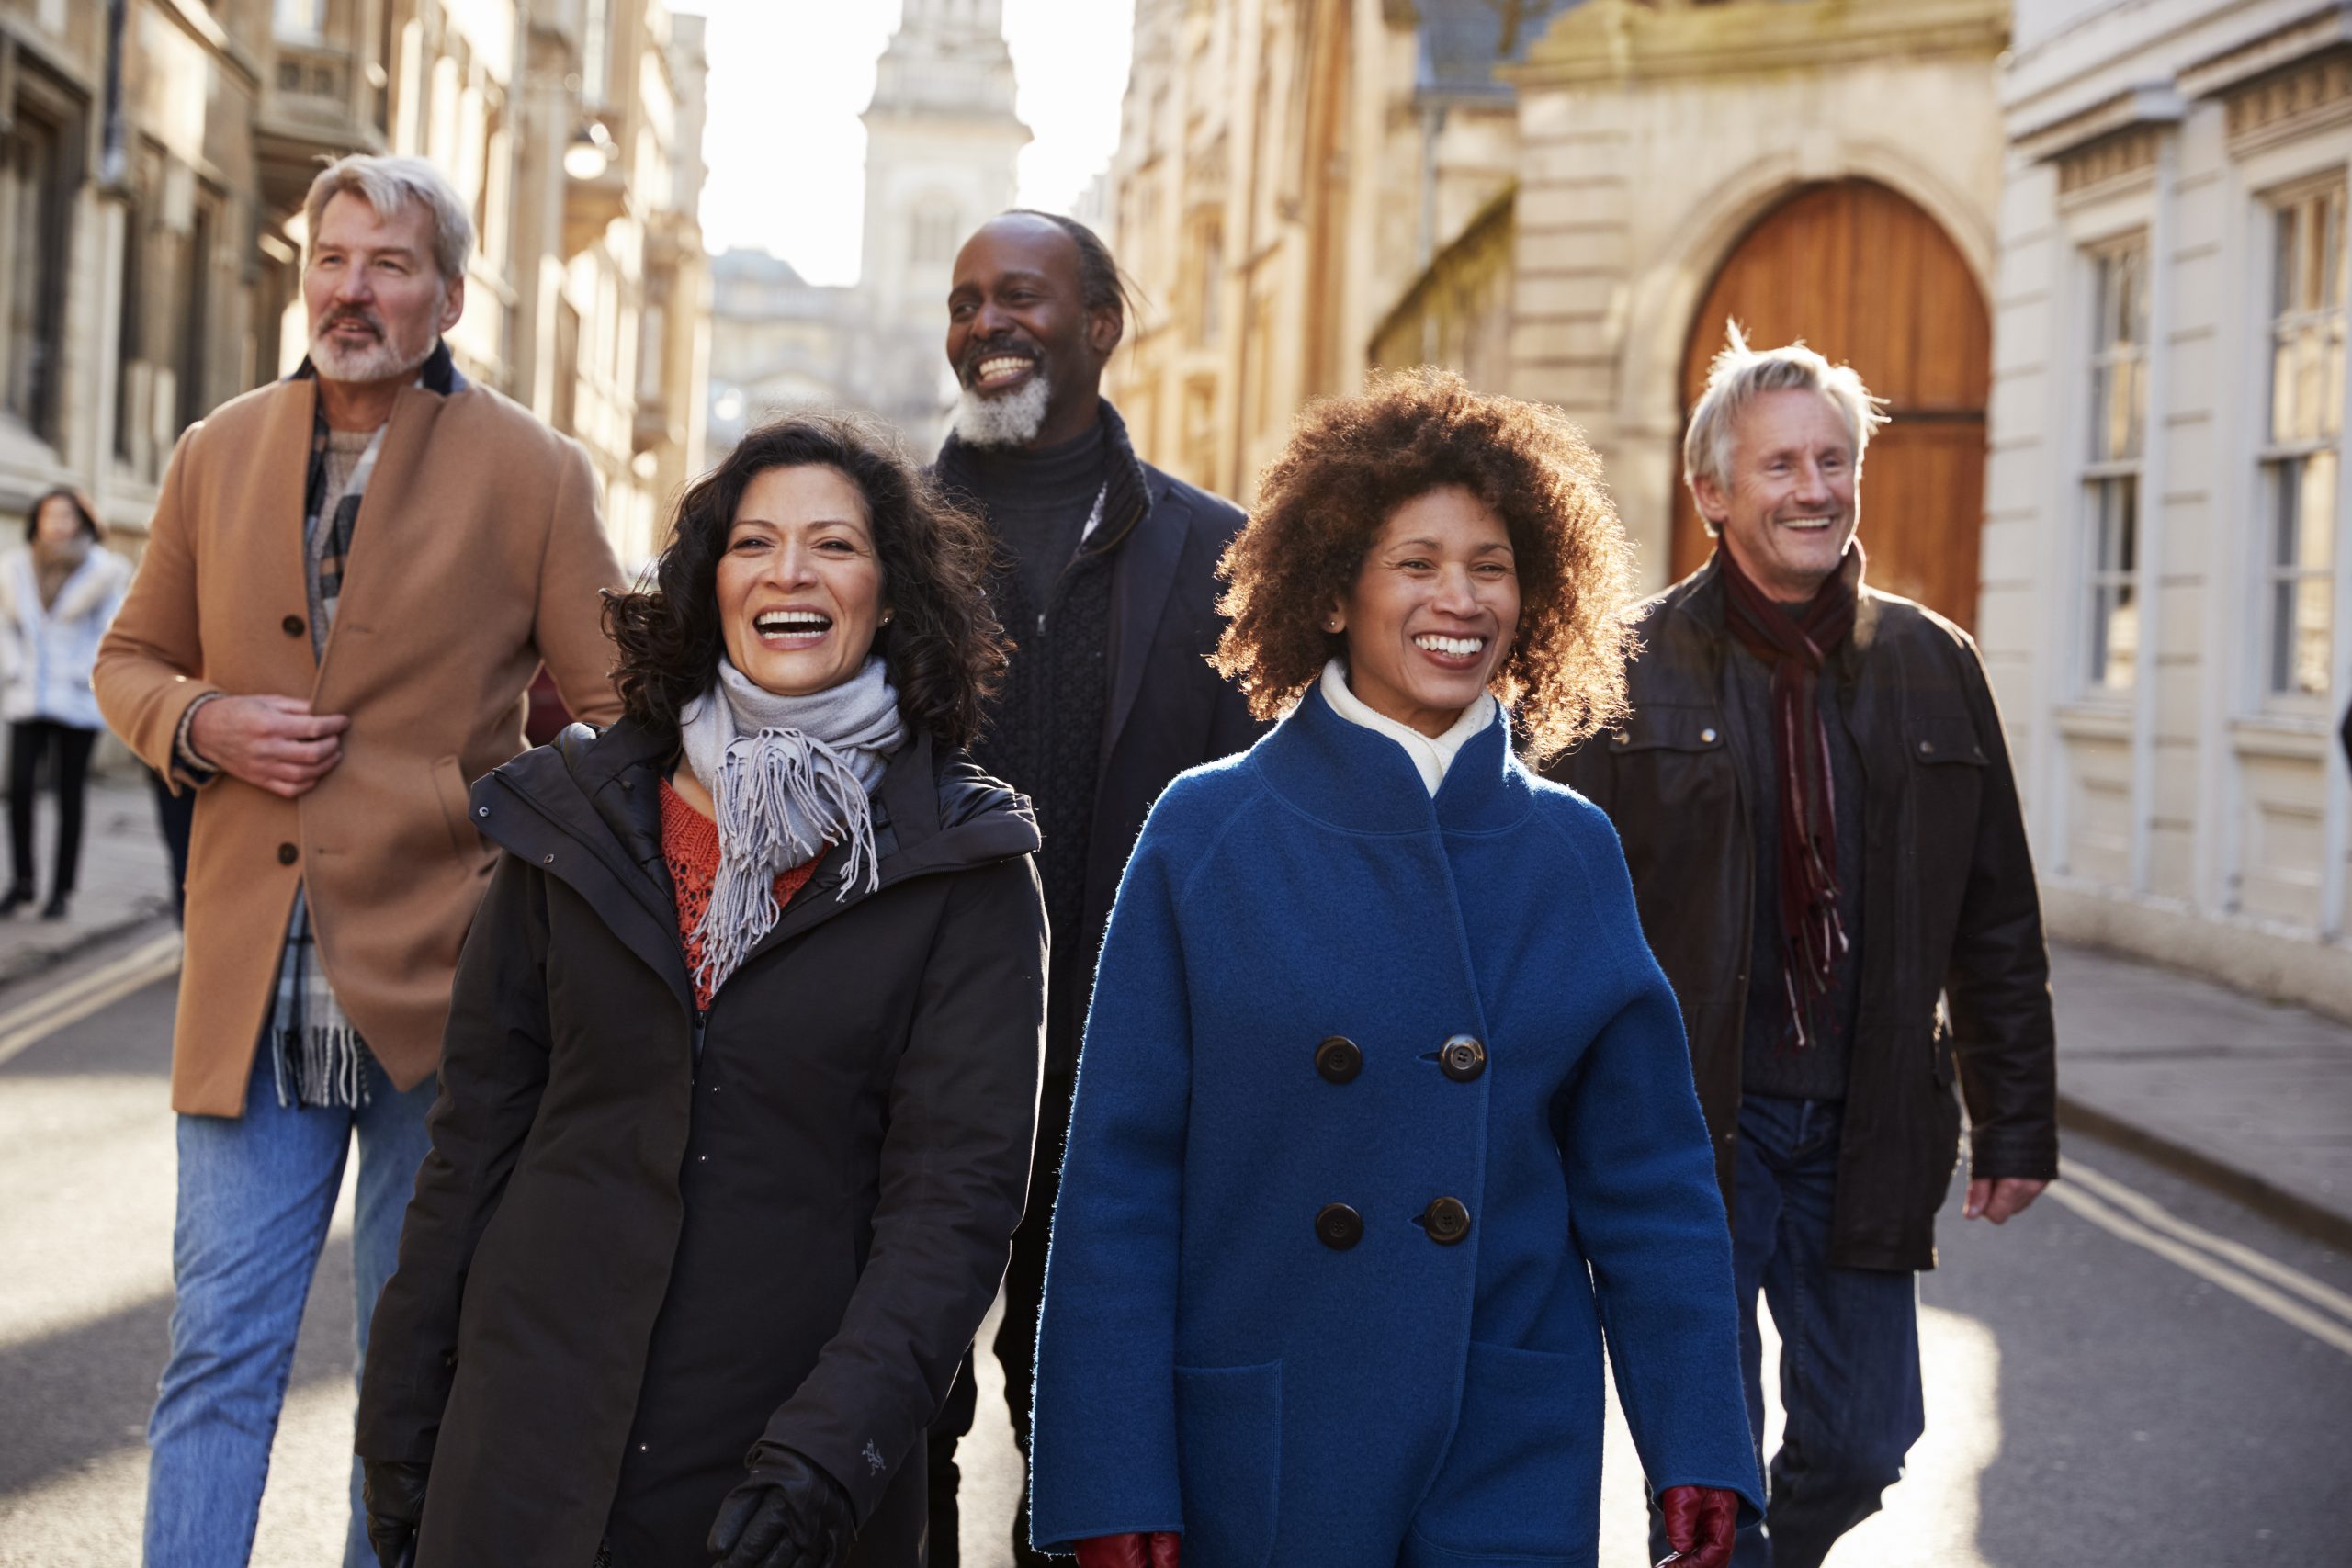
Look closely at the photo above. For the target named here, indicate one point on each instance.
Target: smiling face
(376, 298)
(1433, 610)
(1024, 347)
(1789, 510)
(800, 584)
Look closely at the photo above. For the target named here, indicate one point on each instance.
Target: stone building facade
(1287, 171)
(153, 157)
(1822, 169)
(2166, 597)
(942, 142)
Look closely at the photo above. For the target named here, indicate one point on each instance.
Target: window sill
(2297, 736)
(2097, 719)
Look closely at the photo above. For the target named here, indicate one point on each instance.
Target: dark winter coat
(1166, 710)
(643, 1237)
(1955, 975)
(1324, 987)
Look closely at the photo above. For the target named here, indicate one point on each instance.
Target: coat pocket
(449, 789)
(1522, 1481)
(1229, 1431)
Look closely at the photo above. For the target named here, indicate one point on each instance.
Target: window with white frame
(2301, 440)
(2119, 416)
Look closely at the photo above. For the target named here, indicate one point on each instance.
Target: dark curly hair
(944, 648)
(1353, 461)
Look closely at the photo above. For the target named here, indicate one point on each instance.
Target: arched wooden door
(1868, 278)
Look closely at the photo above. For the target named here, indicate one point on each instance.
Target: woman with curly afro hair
(1383, 1117)
(740, 1078)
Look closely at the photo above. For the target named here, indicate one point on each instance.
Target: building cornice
(2330, 28)
(1627, 42)
(2135, 108)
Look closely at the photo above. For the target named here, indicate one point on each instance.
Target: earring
(886, 617)
(1332, 625)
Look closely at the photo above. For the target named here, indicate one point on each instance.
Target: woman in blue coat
(1384, 1117)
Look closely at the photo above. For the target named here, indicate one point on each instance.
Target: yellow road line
(28, 1024)
(2283, 1307)
(2155, 1215)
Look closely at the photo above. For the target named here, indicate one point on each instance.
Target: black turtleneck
(1038, 503)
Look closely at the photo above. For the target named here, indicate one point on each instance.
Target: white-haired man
(350, 577)
(1816, 806)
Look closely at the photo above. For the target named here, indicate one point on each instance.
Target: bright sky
(789, 77)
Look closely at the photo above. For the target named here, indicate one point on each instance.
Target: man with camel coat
(350, 578)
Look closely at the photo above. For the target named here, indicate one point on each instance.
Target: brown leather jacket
(1955, 975)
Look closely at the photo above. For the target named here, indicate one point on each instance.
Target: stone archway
(1864, 274)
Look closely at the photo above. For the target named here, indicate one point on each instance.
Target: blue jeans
(255, 1194)
(1849, 1341)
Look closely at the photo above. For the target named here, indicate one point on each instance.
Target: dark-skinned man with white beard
(1106, 578)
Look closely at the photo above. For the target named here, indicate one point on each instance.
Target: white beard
(1012, 420)
(377, 361)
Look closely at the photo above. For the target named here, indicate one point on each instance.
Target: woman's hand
(786, 1513)
(1700, 1522)
(393, 1494)
(1157, 1550)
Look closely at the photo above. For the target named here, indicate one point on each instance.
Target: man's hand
(273, 743)
(2001, 1200)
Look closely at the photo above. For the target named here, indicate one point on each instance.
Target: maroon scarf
(1795, 646)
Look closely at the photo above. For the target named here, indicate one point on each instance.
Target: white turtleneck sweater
(1430, 756)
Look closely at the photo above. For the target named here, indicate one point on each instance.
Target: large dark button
(288, 854)
(1339, 1059)
(1462, 1058)
(1447, 1221)
(1338, 1226)
(293, 624)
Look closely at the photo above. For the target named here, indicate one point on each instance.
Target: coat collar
(588, 810)
(1359, 781)
(1144, 570)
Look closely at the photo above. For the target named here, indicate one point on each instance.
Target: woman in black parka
(740, 1078)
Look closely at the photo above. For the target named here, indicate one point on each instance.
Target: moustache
(968, 369)
(358, 318)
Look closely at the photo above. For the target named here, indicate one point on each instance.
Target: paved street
(2144, 1373)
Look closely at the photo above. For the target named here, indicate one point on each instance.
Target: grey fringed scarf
(790, 776)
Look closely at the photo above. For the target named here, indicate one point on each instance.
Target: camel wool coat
(477, 552)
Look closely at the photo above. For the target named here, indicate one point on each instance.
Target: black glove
(786, 1513)
(394, 1495)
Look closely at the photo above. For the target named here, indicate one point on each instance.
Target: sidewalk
(2246, 1096)
(125, 878)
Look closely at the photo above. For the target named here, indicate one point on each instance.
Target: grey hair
(391, 185)
(1740, 374)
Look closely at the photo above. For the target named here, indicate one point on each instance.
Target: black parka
(645, 1236)
(1955, 974)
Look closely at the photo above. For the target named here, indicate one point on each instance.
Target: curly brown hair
(1352, 462)
(943, 647)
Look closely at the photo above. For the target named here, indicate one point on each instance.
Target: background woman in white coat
(58, 592)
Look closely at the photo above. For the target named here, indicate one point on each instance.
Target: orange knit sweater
(690, 845)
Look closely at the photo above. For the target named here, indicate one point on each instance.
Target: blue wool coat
(1208, 1363)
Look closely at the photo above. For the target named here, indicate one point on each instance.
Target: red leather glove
(1700, 1522)
(1157, 1550)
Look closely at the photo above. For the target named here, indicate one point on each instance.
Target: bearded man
(1817, 809)
(1107, 580)
(349, 580)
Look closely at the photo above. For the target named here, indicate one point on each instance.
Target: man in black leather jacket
(1817, 808)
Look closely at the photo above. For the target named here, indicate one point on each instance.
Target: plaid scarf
(1795, 646)
(319, 1057)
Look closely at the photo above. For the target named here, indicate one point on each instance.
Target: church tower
(942, 138)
